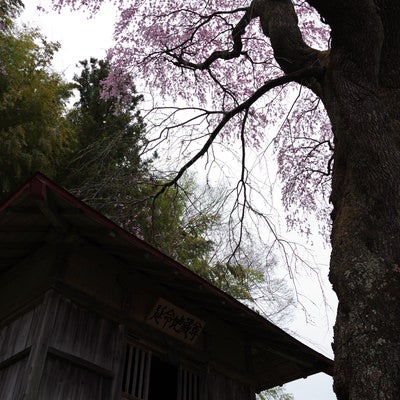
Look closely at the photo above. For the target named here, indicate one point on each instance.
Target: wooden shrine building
(89, 311)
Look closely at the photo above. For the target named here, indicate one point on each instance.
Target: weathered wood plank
(65, 380)
(12, 380)
(84, 334)
(18, 334)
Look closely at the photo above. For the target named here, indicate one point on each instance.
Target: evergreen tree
(109, 134)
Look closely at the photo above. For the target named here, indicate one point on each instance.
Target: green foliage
(175, 230)
(277, 393)
(185, 232)
(33, 131)
(9, 10)
(235, 279)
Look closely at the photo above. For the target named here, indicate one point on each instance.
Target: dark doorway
(163, 380)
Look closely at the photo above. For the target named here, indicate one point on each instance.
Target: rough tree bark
(361, 91)
(362, 98)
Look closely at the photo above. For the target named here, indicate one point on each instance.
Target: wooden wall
(12, 379)
(63, 379)
(69, 344)
(58, 351)
(220, 387)
(16, 339)
(85, 335)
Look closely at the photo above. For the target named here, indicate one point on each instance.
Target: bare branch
(242, 184)
(292, 77)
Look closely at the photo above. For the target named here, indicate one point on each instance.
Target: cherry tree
(327, 72)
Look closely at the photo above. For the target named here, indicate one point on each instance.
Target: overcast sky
(82, 38)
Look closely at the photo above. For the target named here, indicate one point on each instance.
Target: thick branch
(278, 20)
(236, 51)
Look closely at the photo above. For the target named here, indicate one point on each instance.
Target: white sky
(82, 38)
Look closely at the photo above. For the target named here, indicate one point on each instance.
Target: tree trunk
(362, 100)
(361, 93)
(365, 270)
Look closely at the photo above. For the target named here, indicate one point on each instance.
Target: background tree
(34, 134)
(234, 53)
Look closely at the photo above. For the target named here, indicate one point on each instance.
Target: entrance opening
(163, 380)
(148, 377)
